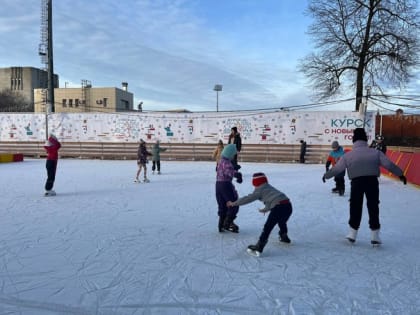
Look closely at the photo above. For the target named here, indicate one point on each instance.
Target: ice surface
(105, 245)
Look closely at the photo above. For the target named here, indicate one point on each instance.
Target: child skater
(217, 153)
(52, 145)
(336, 153)
(276, 202)
(156, 150)
(226, 191)
(142, 155)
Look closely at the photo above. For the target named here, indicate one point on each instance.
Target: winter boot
(351, 236)
(375, 240)
(257, 249)
(284, 238)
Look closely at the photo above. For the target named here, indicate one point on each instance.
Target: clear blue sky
(171, 52)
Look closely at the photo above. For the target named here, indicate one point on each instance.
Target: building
(24, 80)
(87, 99)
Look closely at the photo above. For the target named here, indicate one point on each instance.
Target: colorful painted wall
(255, 127)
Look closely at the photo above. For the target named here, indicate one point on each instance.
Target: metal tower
(46, 48)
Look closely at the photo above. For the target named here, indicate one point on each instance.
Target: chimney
(124, 86)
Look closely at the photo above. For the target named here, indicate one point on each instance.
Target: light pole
(217, 88)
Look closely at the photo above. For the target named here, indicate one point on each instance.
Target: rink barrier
(408, 161)
(175, 151)
(185, 151)
(8, 157)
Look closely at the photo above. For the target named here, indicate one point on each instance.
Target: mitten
(403, 179)
(238, 176)
(323, 178)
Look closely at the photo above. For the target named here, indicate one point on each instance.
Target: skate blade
(375, 244)
(351, 241)
(253, 252)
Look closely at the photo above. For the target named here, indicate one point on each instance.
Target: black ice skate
(257, 249)
(284, 238)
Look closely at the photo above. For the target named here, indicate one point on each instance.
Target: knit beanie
(229, 151)
(335, 145)
(258, 179)
(359, 134)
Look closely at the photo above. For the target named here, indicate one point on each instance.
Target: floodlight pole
(217, 88)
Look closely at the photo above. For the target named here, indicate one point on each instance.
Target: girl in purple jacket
(225, 190)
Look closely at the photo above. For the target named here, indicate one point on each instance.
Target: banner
(277, 127)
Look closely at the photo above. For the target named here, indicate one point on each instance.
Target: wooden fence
(176, 151)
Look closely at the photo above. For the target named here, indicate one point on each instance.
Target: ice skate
(233, 228)
(284, 238)
(257, 249)
(375, 240)
(159, 172)
(136, 180)
(49, 193)
(334, 190)
(146, 180)
(351, 236)
(230, 226)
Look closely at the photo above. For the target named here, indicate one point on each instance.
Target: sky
(172, 52)
(106, 245)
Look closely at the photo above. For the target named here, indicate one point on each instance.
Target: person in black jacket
(235, 138)
(379, 144)
(302, 151)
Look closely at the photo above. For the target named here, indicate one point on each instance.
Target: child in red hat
(276, 202)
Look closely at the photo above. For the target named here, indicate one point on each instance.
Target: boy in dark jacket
(275, 202)
(332, 159)
(226, 191)
(52, 145)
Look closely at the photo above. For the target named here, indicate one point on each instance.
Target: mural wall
(276, 127)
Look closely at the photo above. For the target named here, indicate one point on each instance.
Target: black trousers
(360, 186)
(278, 215)
(51, 166)
(340, 181)
(156, 164)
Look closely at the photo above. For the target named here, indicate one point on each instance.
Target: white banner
(276, 127)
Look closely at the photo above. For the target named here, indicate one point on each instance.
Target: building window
(76, 102)
(64, 102)
(70, 102)
(105, 102)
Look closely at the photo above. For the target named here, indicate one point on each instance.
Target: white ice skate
(351, 236)
(375, 240)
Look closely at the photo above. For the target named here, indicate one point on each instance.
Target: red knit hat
(259, 179)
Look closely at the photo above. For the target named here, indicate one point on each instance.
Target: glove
(323, 178)
(238, 177)
(403, 179)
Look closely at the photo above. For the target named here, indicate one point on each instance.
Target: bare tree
(11, 101)
(361, 43)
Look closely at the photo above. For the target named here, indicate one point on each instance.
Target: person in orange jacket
(52, 145)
